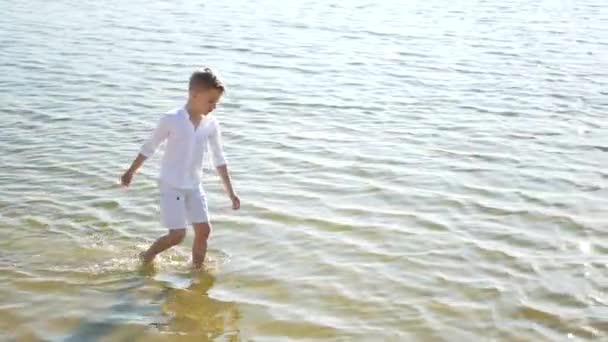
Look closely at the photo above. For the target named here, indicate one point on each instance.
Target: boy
(188, 131)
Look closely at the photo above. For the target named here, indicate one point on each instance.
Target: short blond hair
(206, 78)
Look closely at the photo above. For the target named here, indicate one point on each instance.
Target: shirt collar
(183, 112)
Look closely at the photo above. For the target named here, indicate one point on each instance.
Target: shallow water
(431, 171)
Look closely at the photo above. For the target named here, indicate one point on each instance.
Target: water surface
(422, 170)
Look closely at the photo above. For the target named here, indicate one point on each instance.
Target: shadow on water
(186, 311)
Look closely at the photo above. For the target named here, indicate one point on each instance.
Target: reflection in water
(186, 312)
(195, 314)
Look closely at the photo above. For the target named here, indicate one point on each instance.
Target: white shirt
(182, 162)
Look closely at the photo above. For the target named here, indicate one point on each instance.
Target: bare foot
(142, 258)
(146, 269)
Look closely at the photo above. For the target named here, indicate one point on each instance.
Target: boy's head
(205, 90)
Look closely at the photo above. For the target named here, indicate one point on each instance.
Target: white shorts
(180, 207)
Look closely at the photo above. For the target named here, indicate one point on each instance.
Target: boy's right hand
(125, 180)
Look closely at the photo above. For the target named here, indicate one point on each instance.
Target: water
(422, 170)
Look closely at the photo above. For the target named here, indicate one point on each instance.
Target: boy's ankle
(144, 258)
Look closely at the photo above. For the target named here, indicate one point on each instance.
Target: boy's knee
(177, 235)
(202, 230)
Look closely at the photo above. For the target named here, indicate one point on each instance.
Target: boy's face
(205, 100)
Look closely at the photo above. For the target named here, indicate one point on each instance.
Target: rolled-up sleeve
(161, 132)
(215, 142)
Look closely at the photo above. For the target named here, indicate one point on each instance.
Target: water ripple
(408, 171)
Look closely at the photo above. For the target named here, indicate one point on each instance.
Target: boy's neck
(191, 113)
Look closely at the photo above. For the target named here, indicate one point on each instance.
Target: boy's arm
(147, 150)
(128, 175)
(222, 170)
(219, 161)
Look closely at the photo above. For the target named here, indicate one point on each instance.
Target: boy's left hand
(236, 202)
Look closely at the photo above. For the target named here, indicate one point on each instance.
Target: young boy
(188, 132)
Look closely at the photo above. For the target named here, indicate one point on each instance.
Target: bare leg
(199, 245)
(174, 237)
